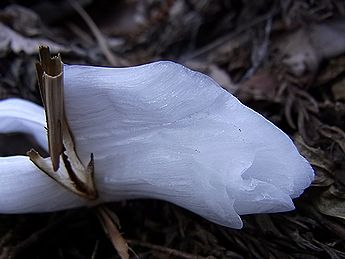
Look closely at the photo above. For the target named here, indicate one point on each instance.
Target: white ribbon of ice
(158, 131)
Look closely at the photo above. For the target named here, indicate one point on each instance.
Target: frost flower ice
(158, 131)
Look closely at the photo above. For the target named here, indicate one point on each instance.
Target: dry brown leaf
(304, 49)
(338, 90)
(222, 78)
(315, 156)
(334, 133)
(11, 40)
(261, 86)
(331, 205)
(22, 19)
(298, 53)
(322, 178)
(337, 190)
(328, 38)
(324, 168)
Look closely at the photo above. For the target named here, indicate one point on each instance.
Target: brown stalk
(63, 165)
(110, 224)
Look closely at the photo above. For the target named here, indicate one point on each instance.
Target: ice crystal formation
(158, 131)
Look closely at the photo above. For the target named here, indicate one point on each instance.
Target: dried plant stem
(49, 73)
(64, 165)
(109, 223)
(112, 59)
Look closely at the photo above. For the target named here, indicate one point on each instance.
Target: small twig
(165, 250)
(112, 59)
(259, 51)
(85, 37)
(109, 222)
(222, 40)
(4, 239)
(95, 250)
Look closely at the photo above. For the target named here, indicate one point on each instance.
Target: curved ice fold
(20, 116)
(166, 132)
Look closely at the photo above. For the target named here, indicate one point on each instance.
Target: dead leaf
(332, 71)
(261, 86)
(222, 78)
(331, 205)
(322, 178)
(324, 168)
(13, 41)
(22, 19)
(334, 133)
(298, 53)
(338, 90)
(315, 156)
(328, 38)
(304, 49)
(337, 190)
